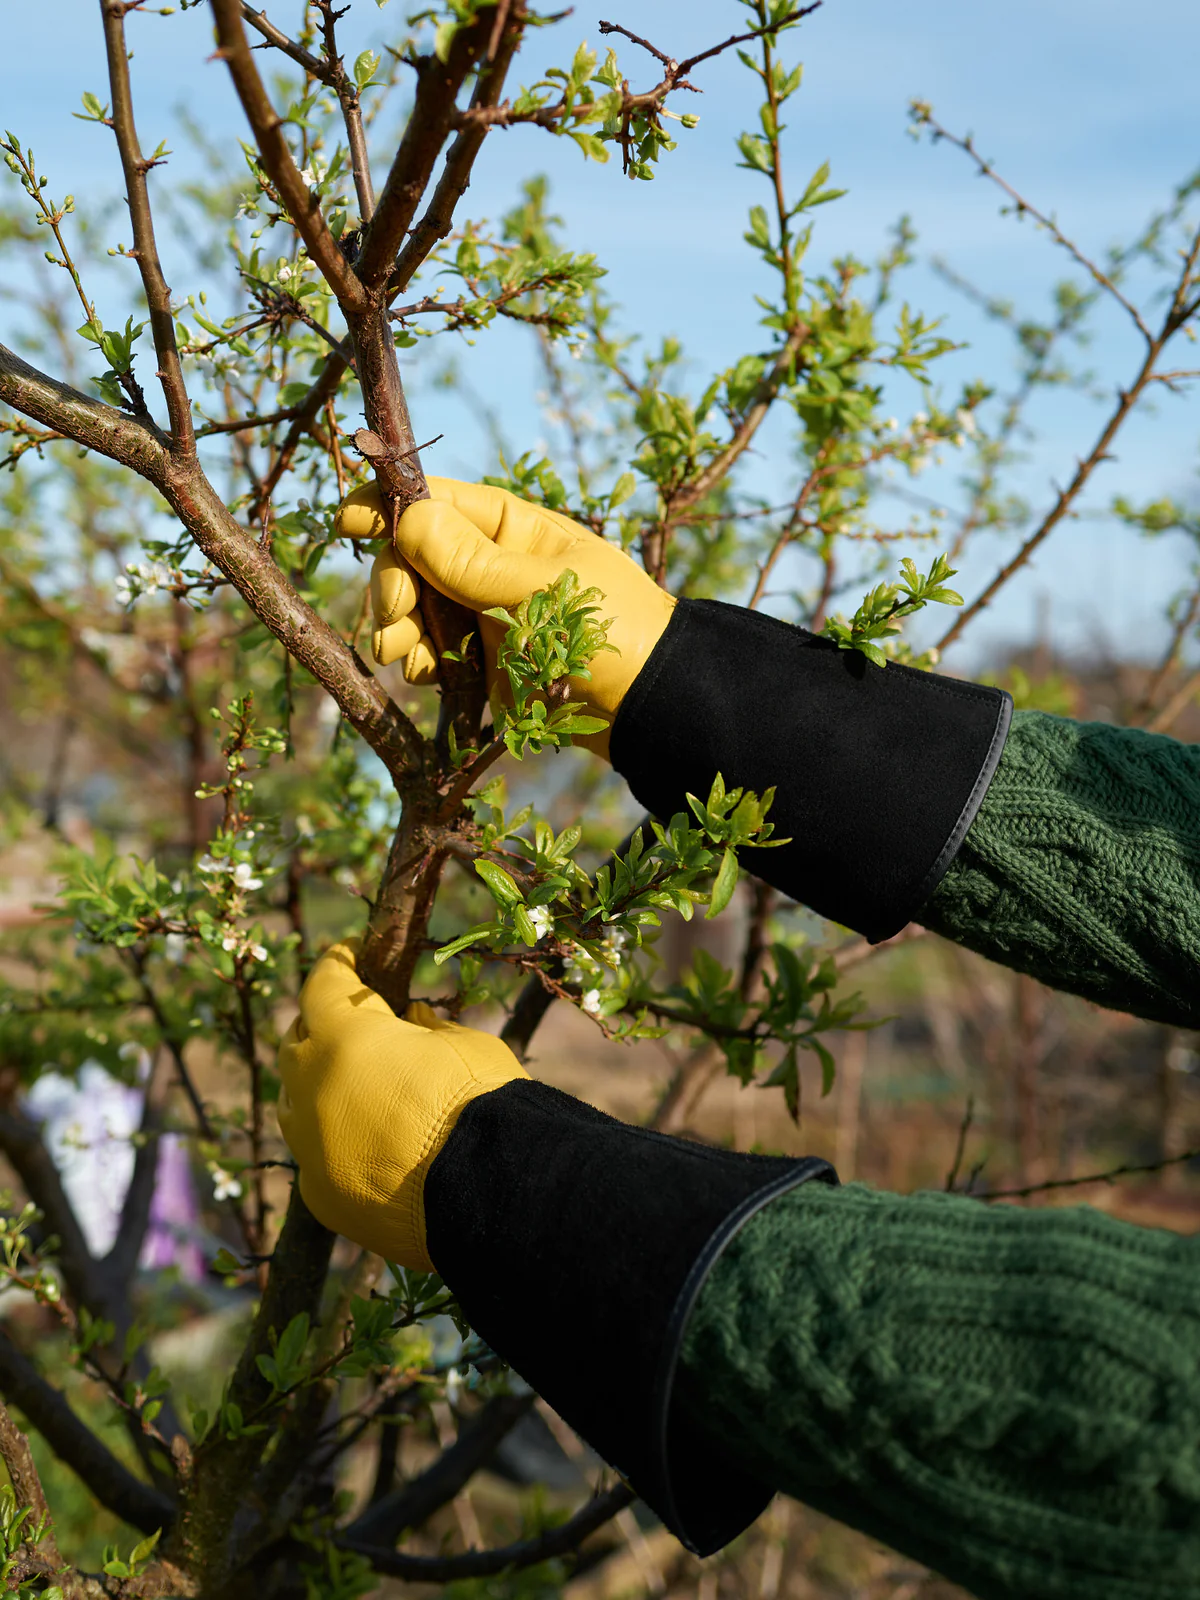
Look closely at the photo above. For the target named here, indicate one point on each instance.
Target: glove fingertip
(421, 663)
(361, 516)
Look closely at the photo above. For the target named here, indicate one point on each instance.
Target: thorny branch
(1178, 313)
(1128, 1169)
(923, 117)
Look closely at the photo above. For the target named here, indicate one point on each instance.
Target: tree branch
(135, 168)
(768, 389)
(432, 119)
(460, 158)
(1179, 632)
(387, 1518)
(344, 86)
(1165, 719)
(559, 1541)
(120, 1263)
(1129, 1169)
(925, 118)
(182, 483)
(223, 1466)
(75, 1444)
(127, 440)
(1126, 400)
(22, 1143)
(23, 1474)
(313, 65)
(303, 204)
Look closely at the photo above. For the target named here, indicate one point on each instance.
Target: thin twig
(960, 1147)
(1176, 705)
(1179, 633)
(1127, 399)
(135, 168)
(559, 1541)
(926, 119)
(303, 204)
(1129, 1169)
(313, 65)
(433, 117)
(248, 424)
(679, 70)
(346, 89)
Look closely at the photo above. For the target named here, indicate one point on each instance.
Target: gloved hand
(367, 1101)
(485, 547)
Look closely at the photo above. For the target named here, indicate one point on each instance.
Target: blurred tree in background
(204, 783)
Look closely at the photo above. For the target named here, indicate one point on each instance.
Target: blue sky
(1088, 106)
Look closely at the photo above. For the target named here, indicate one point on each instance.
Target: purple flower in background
(87, 1123)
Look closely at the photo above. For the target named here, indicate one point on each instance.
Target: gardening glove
(485, 548)
(367, 1101)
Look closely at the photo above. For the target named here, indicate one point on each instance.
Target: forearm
(1067, 850)
(1082, 867)
(575, 1245)
(1010, 1396)
(877, 772)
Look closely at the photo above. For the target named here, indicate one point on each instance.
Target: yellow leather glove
(367, 1101)
(485, 547)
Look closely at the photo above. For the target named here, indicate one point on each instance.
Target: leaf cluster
(879, 615)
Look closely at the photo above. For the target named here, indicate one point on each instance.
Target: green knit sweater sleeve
(1011, 1396)
(1082, 866)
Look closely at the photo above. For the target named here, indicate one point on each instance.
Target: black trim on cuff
(703, 1510)
(878, 771)
(576, 1246)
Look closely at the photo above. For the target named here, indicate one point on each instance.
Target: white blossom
(229, 942)
(591, 1002)
(542, 921)
(258, 952)
(175, 947)
(965, 418)
(209, 863)
(243, 877)
(225, 1185)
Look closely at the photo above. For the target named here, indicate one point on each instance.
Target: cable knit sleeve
(1012, 1397)
(1082, 867)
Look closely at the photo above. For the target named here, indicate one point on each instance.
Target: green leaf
(756, 153)
(443, 954)
(624, 489)
(364, 68)
(726, 883)
(293, 1339)
(828, 1064)
(141, 1552)
(591, 144)
(501, 884)
(95, 111)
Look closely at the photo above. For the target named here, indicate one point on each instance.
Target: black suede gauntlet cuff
(879, 771)
(576, 1246)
